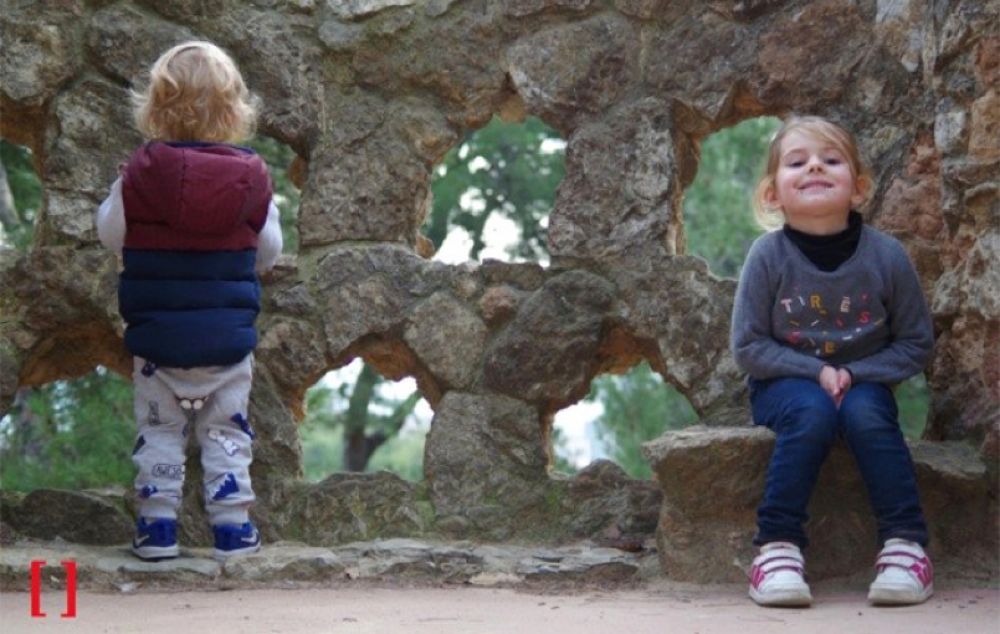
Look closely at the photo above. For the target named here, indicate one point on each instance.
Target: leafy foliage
(638, 407)
(505, 169)
(69, 434)
(323, 453)
(19, 209)
(717, 212)
(279, 159)
(561, 462)
(913, 399)
(357, 424)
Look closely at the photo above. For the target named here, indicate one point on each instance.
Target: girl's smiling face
(814, 180)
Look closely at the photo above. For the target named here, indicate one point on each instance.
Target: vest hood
(198, 189)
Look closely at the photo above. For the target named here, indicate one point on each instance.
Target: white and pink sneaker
(905, 574)
(777, 576)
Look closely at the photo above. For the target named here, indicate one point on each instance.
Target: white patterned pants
(211, 402)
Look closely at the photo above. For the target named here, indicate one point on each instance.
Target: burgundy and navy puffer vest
(189, 292)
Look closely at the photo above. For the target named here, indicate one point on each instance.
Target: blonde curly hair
(820, 128)
(195, 93)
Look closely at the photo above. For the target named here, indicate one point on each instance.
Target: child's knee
(868, 407)
(813, 413)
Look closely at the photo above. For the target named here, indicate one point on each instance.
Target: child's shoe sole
(793, 597)
(898, 594)
(155, 553)
(223, 555)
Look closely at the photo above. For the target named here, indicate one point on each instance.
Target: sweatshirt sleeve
(110, 220)
(270, 242)
(755, 350)
(911, 333)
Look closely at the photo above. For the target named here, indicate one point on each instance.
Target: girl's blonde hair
(195, 93)
(817, 127)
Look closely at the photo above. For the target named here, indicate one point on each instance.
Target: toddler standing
(193, 218)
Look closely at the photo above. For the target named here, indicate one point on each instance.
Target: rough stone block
(75, 516)
(713, 480)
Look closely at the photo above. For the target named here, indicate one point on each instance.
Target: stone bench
(713, 479)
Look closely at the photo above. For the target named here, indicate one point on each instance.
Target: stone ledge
(713, 479)
(113, 568)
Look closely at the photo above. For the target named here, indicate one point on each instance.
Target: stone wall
(371, 94)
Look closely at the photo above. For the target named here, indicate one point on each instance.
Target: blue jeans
(805, 422)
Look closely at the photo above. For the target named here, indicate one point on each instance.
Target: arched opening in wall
(69, 434)
(20, 196)
(287, 175)
(718, 214)
(356, 420)
(493, 192)
(619, 414)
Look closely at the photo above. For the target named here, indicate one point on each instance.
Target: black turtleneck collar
(828, 252)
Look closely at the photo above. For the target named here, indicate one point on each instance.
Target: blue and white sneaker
(235, 539)
(156, 539)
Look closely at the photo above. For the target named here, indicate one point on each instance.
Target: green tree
(638, 406)
(354, 419)
(560, 459)
(913, 399)
(279, 158)
(69, 434)
(364, 429)
(718, 217)
(503, 169)
(20, 196)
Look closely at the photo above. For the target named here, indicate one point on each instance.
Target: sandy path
(465, 610)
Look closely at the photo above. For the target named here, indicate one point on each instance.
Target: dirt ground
(468, 610)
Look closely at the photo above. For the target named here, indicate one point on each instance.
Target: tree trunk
(358, 444)
(356, 453)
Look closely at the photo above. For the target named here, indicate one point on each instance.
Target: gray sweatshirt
(869, 315)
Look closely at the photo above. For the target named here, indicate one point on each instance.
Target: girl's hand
(844, 381)
(830, 381)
